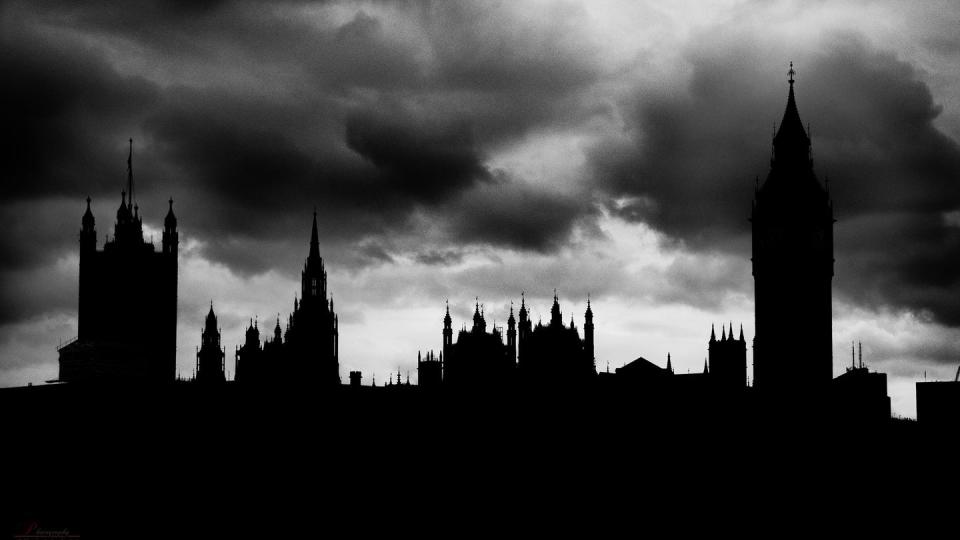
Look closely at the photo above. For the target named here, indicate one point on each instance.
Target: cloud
(687, 163)
(516, 215)
(64, 109)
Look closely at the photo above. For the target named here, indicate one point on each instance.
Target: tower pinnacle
(314, 238)
(130, 172)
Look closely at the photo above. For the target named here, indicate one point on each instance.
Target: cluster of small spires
(724, 335)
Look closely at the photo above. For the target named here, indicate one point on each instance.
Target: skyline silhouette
(434, 265)
(792, 265)
(525, 188)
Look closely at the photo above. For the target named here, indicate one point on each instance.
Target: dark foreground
(183, 461)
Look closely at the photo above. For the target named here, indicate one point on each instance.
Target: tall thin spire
(130, 172)
(314, 237)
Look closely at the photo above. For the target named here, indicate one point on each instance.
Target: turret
(512, 336)
(88, 231)
(447, 332)
(588, 334)
(524, 331)
(253, 335)
(86, 297)
(170, 236)
(479, 323)
(210, 357)
(556, 319)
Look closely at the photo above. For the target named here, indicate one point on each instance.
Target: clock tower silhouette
(792, 222)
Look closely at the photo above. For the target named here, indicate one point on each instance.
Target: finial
(88, 201)
(791, 73)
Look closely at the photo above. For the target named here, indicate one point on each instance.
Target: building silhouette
(249, 358)
(724, 371)
(127, 321)
(210, 355)
(860, 395)
(792, 259)
(728, 359)
(127, 310)
(429, 370)
(478, 357)
(545, 354)
(308, 351)
(938, 404)
(554, 353)
(312, 339)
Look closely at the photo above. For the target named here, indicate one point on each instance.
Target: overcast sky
(455, 150)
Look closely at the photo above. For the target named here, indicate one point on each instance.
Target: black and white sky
(480, 149)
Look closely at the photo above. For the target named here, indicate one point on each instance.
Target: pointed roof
(741, 333)
(170, 222)
(446, 318)
(791, 140)
(555, 315)
(713, 334)
(123, 213)
(211, 321)
(314, 238)
(87, 220)
(669, 364)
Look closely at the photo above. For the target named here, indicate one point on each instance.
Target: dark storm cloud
(426, 162)
(688, 167)
(63, 111)
(252, 114)
(519, 216)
